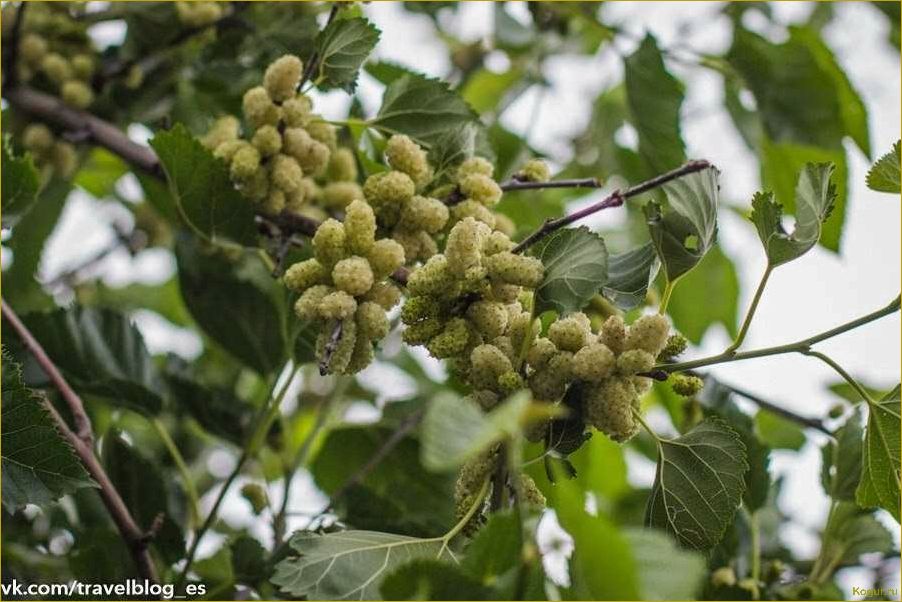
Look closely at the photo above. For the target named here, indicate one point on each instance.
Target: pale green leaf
(778, 432)
(343, 47)
(629, 276)
(879, 484)
(665, 572)
(349, 565)
(708, 295)
(884, 174)
(841, 468)
(485, 89)
(576, 268)
(814, 198)
(699, 484)
(683, 231)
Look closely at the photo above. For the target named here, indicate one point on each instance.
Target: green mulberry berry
(642, 384)
(475, 165)
(535, 170)
(227, 150)
(362, 356)
(648, 333)
(470, 483)
(464, 247)
(282, 77)
(424, 213)
(515, 269)
(57, 68)
(83, 65)
(568, 334)
(489, 318)
(418, 245)
(342, 166)
(337, 305)
(609, 408)
(473, 209)
(522, 326)
(422, 332)
(257, 186)
(307, 306)
(286, 173)
(372, 322)
(245, 163)
(385, 257)
(406, 155)
(274, 202)
(613, 334)
(505, 225)
(530, 492)
(635, 361)
(488, 363)
(353, 275)
(484, 398)
(387, 192)
(497, 242)
(593, 363)
(198, 14)
(510, 382)
(541, 351)
(482, 189)
(312, 155)
(383, 294)
(64, 158)
(304, 274)
(323, 132)
(341, 355)
(329, 243)
(686, 385)
(546, 385)
(258, 107)
(725, 576)
(360, 228)
(267, 140)
(32, 48)
(419, 308)
(432, 278)
(296, 111)
(452, 340)
(505, 293)
(37, 138)
(225, 129)
(338, 195)
(676, 344)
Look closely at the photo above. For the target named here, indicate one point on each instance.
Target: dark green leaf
(200, 184)
(851, 532)
(451, 150)
(343, 47)
(39, 466)
(841, 468)
(654, 97)
(629, 276)
(496, 549)
(576, 268)
(427, 579)
(249, 560)
(20, 184)
(250, 326)
(879, 484)
(699, 484)
(424, 109)
(684, 231)
(884, 174)
(217, 409)
(814, 198)
(778, 432)
(706, 296)
(665, 571)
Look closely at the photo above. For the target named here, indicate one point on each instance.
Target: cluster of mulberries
(48, 151)
(198, 14)
(56, 49)
(608, 364)
(344, 287)
(287, 146)
(480, 193)
(463, 306)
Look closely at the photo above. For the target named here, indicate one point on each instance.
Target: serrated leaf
(20, 184)
(422, 108)
(879, 484)
(654, 97)
(665, 572)
(427, 579)
(884, 174)
(38, 465)
(684, 231)
(342, 48)
(629, 276)
(452, 149)
(814, 199)
(699, 484)
(101, 352)
(349, 565)
(200, 185)
(841, 468)
(576, 268)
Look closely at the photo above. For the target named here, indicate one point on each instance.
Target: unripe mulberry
(452, 340)
(522, 326)
(510, 382)
(57, 68)
(505, 293)
(482, 189)
(485, 398)
(568, 334)
(515, 269)
(530, 492)
(547, 385)
(360, 228)
(535, 170)
(64, 158)
(257, 186)
(226, 150)
(489, 318)
(421, 332)
(609, 408)
(418, 245)
(245, 163)
(134, 79)
(198, 14)
(432, 278)
(387, 192)
(32, 48)
(613, 334)
(487, 364)
(296, 111)
(353, 275)
(337, 305)
(329, 243)
(304, 274)
(37, 138)
(464, 247)
(470, 208)
(274, 203)
(642, 384)
(406, 155)
(648, 333)
(676, 344)
(383, 294)
(282, 77)
(541, 351)
(385, 257)
(496, 242)
(372, 322)
(83, 65)
(286, 173)
(725, 576)
(686, 385)
(307, 306)
(342, 166)
(593, 363)
(419, 308)
(635, 361)
(225, 129)
(470, 483)
(362, 356)
(323, 132)
(258, 107)
(267, 140)
(424, 213)
(475, 165)
(338, 195)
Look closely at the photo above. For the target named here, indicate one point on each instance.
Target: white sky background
(804, 297)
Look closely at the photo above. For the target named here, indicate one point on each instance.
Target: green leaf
(629, 276)
(39, 466)
(100, 172)
(452, 149)
(343, 47)
(217, 409)
(814, 198)
(576, 268)
(684, 231)
(249, 560)
(851, 532)
(884, 174)
(102, 353)
(424, 109)
(879, 484)
(665, 572)
(496, 549)
(706, 296)
(165, 299)
(251, 325)
(200, 185)
(349, 564)
(841, 468)
(699, 484)
(778, 432)
(654, 97)
(20, 184)
(427, 579)
(485, 89)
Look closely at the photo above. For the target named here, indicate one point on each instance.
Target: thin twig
(615, 199)
(331, 346)
(313, 62)
(136, 539)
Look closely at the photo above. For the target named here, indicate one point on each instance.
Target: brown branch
(514, 185)
(135, 538)
(615, 199)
